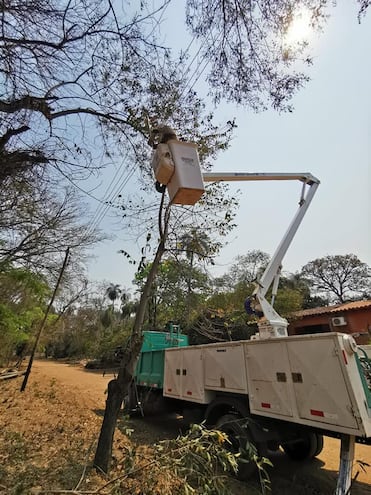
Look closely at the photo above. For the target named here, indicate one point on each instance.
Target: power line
(103, 209)
(112, 191)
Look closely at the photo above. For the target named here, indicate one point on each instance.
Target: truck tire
(306, 447)
(239, 437)
(319, 445)
(130, 402)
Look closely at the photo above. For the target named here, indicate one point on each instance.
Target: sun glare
(300, 28)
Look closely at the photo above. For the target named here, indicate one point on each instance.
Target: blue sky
(328, 134)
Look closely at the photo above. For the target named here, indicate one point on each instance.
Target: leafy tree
(38, 221)
(232, 289)
(22, 303)
(288, 301)
(230, 303)
(99, 69)
(238, 283)
(248, 267)
(339, 277)
(197, 245)
(102, 68)
(171, 299)
(86, 333)
(251, 62)
(298, 283)
(57, 61)
(128, 306)
(245, 43)
(88, 329)
(227, 301)
(186, 242)
(106, 318)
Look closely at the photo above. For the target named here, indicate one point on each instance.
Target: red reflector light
(169, 389)
(314, 412)
(266, 405)
(344, 356)
(189, 392)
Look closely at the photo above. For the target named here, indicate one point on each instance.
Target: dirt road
(92, 386)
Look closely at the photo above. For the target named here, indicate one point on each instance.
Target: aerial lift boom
(273, 325)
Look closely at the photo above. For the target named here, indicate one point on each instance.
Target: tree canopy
(341, 278)
(69, 67)
(22, 304)
(38, 221)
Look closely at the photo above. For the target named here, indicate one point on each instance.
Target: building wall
(357, 321)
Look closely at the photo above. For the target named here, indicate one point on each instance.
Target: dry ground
(46, 433)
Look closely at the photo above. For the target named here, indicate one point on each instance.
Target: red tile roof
(337, 308)
(355, 305)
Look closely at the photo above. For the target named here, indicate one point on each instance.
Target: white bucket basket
(186, 185)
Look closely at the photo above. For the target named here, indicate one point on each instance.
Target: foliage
(250, 61)
(339, 277)
(217, 326)
(170, 299)
(226, 303)
(22, 303)
(200, 459)
(297, 284)
(91, 329)
(196, 244)
(52, 76)
(288, 301)
(363, 6)
(212, 216)
(38, 221)
(103, 68)
(225, 318)
(250, 453)
(194, 463)
(113, 292)
(246, 268)
(183, 280)
(100, 69)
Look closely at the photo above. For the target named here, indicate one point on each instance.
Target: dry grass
(46, 437)
(46, 445)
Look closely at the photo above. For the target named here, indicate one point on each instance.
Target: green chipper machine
(149, 372)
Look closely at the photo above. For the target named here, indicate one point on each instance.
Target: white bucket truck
(274, 390)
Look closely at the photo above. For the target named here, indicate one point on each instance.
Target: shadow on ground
(287, 477)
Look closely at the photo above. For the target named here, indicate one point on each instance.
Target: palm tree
(195, 243)
(113, 292)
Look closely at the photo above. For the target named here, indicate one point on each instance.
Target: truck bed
(313, 380)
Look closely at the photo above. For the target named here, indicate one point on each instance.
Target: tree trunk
(118, 388)
(113, 404)
(189, 290)
(116, 392)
